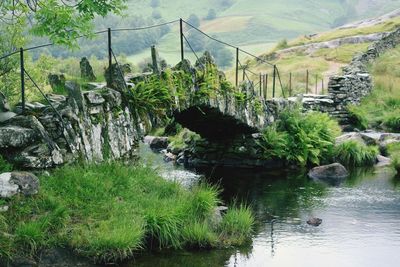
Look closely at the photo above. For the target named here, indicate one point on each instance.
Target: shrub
(352, 153)
(396, 164)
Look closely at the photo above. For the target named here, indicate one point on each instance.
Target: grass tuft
(354, 154)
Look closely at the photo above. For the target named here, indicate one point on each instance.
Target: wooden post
(274, 82)
(237, 67)
(21, 56)
(154, 59)
(290, 84)
(322, 85)
(260, 85)
(316, 84)
(307, 74)
(266, 86)
(181, 37)
(244, 73)
(109, 49)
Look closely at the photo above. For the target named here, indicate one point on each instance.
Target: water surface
(361, 221)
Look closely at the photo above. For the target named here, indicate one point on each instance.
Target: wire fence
(267, 84)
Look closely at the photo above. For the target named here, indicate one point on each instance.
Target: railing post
(109, 49)
(181, 37)
(21, 55)
(260, 84)
(237, 66)
(274, 82)
(307, 74)
(290, 84)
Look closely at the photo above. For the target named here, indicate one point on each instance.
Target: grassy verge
(381, 108)
(393, 150)
(110, 211)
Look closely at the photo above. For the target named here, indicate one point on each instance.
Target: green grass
(343, 53)
(381, 108)
(108, 212)
(393, 150)
(355, 154)
(386, 26)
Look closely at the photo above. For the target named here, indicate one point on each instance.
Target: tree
(194, 20)
(223, 56)
(61, 20)
(211, 14)
(155, 3)
(197, 41)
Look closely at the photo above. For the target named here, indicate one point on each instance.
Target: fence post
(181, 36)
(109, 49)
(307, 74)
(273, 82)
(322, 85)
(266, 86)
(21, 55)
(260, 84)
(244, 73)
(316, 84)
(237, 66)
(290, 84)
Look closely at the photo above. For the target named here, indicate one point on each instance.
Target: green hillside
(253, 24)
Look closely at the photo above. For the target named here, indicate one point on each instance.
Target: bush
(300, 138)
(282, 44)
(355, 154)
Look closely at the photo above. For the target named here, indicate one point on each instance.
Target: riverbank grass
(108, 212)
(355, 154)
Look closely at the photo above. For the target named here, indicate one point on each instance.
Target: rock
(7, 187)
(218, 214)
(169, 157)
(57, 82)
(94, 97)
(353, 136)
(86, 70)
(5, 116)
(27, 182)
(333, 173)
(115, 79)
(383, 161)
(4, 208)
(314, 221)
(75, 97)
(4, 106)
(156, 142)
(16, 136)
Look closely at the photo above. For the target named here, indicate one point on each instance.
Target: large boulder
(87, 73)
(12, 183)
(332, 174)
(15, 136)
(156, 142)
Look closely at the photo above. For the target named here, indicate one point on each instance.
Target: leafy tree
(194, 20)
(156, 14)
(155, 3)
(222, 55)
(60, 20)
(197, 41)
(211, 14)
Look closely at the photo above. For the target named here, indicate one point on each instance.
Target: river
(360, 227)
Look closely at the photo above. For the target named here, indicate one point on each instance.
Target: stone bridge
(100, 122)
